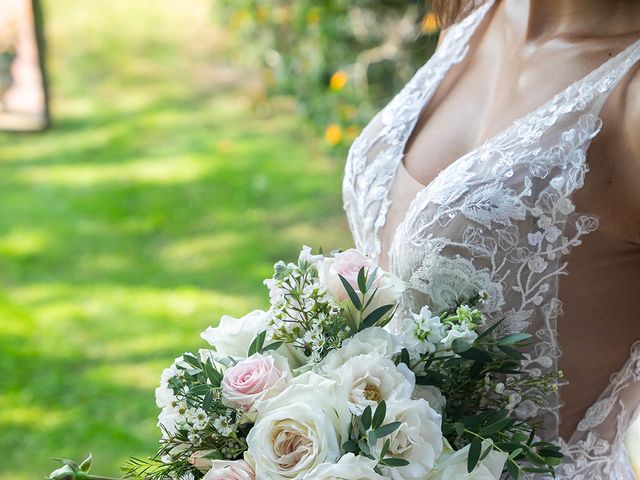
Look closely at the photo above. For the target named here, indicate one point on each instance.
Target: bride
(510, 163)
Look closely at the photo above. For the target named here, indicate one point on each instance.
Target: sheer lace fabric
(501, 219)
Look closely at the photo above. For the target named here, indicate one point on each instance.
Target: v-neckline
(516, 122)
(492, 139)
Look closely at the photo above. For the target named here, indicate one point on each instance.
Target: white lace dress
(501, 219)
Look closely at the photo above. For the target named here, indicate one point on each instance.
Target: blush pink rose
(230, 470)
(348, 264)
(256, 378)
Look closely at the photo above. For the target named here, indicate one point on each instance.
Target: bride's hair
(448, 12)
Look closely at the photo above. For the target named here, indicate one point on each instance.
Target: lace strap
(605, 78)
(455, 44)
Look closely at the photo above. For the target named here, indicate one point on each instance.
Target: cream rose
(349, 467)
(371, 378)
(348, 264)
(453, 465)
(230, 470)
(418, 439)
(256, 378)
(299, 429)
(233, 336)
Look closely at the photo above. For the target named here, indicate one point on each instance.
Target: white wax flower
(422, 333)
(459, 332)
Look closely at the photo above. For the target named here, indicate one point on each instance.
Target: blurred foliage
(157, 202)
(341, 59)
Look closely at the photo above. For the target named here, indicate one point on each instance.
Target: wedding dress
(499, 219)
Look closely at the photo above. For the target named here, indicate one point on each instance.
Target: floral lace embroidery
(500, 219)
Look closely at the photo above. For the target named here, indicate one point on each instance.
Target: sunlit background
(187, 153)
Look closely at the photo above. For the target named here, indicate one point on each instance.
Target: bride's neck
(543, 19)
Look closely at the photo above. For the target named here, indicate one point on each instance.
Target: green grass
(157, 202)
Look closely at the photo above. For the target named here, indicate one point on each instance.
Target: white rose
(371, 378)
(349, 467)
(348, 264)
(373, 340)
(233, 336)
(299, 429)
(432, 395)
(453, 465)
(418, 439)
(230, 470)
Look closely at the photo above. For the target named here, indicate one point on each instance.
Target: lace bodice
(500, 219)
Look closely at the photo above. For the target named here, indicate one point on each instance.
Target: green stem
(96, 477)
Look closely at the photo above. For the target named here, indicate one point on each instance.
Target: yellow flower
(429, 24)
(313, 17)
(333, 134)
(283, 15)
(239, 18)
(225, 146)
(338, 80)
(262, 14)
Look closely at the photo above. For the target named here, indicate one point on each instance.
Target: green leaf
(364, 447)
(191, 360)
(376, 315)
(385, 448)
(199, 390)
(387, 429)
(366, 418)
(207, 402)
(214, 376)
(475, 450)
(378, 416)
(350, 446)
(351, 292)
(514, 338)
(372, 278)
(362, 281)
(476, 354)
(513, 353)
(257, 343)
(498, 426)
(459, 346)
(272, 346)
(404, 357)
(394, 462)
(513, 469)
(85, 466)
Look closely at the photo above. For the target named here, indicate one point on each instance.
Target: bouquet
(316, 388)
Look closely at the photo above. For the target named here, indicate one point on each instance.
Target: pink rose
(348, 264)
(230, 470)
(256, 378)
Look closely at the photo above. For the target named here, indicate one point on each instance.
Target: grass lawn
(157, 202)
